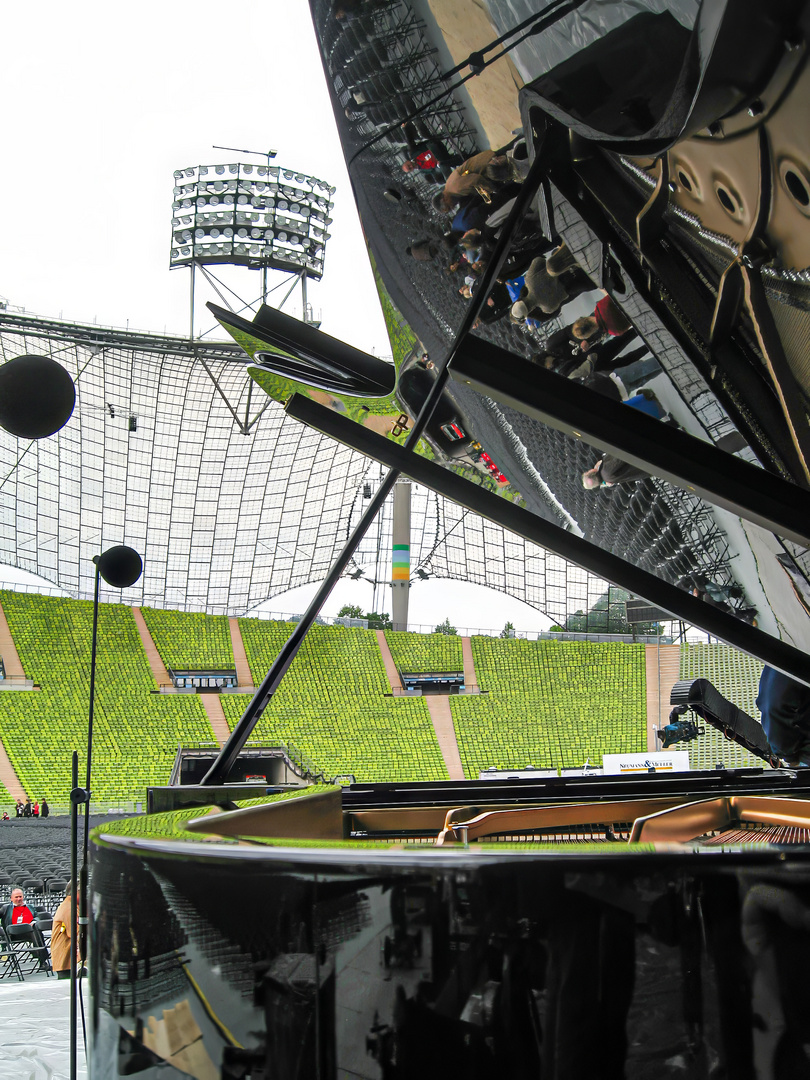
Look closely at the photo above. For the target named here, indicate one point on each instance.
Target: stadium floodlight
(273, 239)
(230, 197)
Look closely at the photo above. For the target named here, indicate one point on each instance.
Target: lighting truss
(259, 216)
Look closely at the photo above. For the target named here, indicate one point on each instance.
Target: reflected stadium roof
(154, 458)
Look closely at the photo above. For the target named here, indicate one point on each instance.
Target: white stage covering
(35, 1029)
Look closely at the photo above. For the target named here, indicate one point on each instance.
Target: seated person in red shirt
(427, 153)
(424, 160)
(17, 911)
(607, 319)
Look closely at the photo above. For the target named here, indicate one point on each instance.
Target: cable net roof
(153, 457)
(222, 520)
(450, 541)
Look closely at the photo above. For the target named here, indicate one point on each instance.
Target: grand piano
(563, 927)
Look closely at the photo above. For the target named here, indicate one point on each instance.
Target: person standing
(607, 319)
(35, 810)
(62, 937)
(44, 809)
(27, 808)
(784, 705)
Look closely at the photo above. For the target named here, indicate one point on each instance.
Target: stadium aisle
(34, 1029)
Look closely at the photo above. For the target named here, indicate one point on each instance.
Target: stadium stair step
(243, 677)
(8, 776)
(219, 725)
(439, 709)
(8, 650)
(159, 671)
(663, 665)
(397, 689)
(470, 680)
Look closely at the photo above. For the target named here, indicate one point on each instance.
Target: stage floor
(35, 1029)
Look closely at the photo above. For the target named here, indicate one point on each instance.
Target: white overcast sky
(101, 104)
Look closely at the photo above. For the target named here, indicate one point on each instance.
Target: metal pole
(81, 884)
(90, 713)
(401, 556)
(74, 874)
(304, 296)
(191, 306)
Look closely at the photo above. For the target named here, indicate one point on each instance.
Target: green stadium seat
(736, 676)
(190, 641)
(425, 653)
(136, 731)
(550, 704)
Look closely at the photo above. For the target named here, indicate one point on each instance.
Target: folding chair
(28, 944)
(44, 920)
(9, 961)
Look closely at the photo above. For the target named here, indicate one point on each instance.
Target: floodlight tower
(263, 217)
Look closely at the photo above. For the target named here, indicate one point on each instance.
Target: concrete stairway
(213, 707)
(243, 676)
(8, 650)
(663, 665)
(470, 680)
(14, 670)
(159, 672)
(439, 709)
(397, 689)
(8, 775)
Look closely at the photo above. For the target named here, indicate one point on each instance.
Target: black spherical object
(119, 566)
(36, 396)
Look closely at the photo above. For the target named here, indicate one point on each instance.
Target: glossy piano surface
(227, 956)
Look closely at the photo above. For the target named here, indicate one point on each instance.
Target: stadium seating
(190, 641)
(136, 731)
(426, 653)
(550, 704)
(40, 866)
(736, 676)
(327, 654)
(335, 706)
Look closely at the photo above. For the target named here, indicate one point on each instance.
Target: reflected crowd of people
(457, 206)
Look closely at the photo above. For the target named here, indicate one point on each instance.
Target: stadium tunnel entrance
(449, 682)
